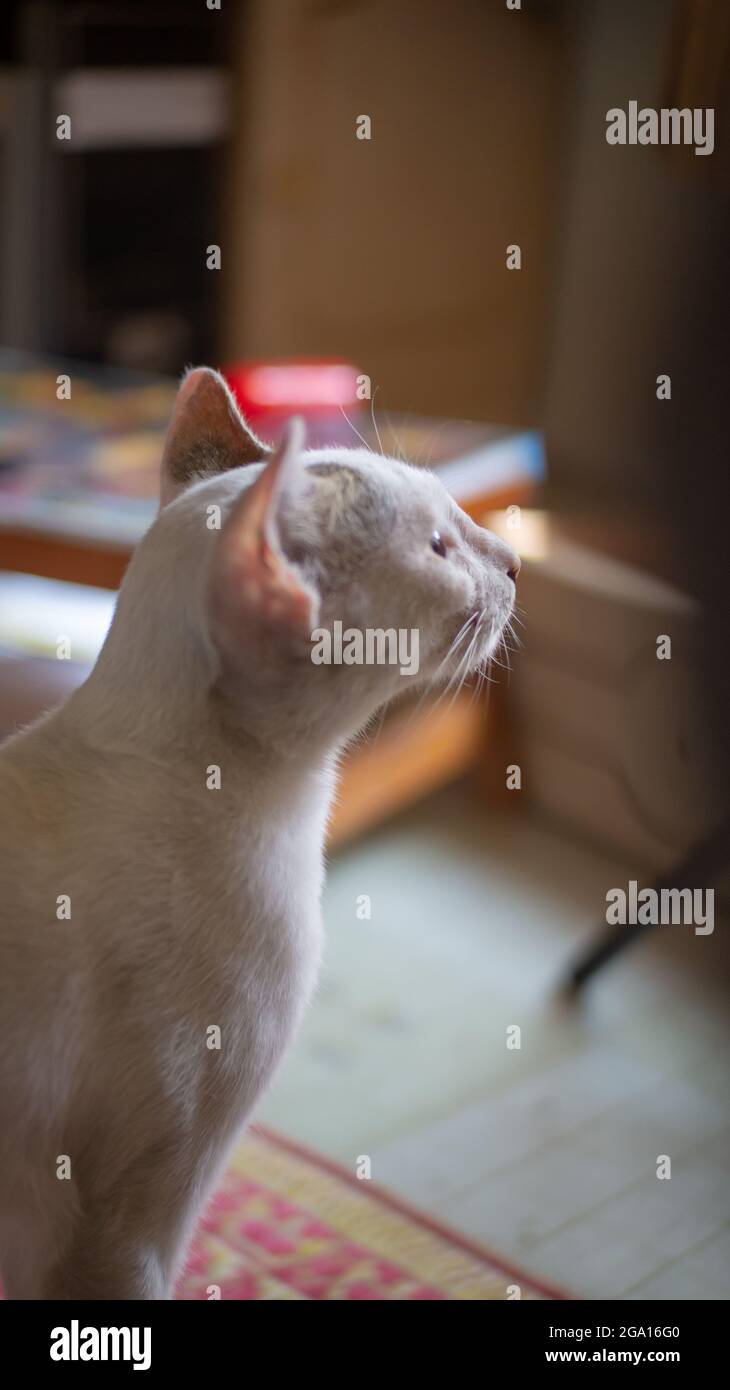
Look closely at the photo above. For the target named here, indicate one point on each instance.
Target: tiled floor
(547, 1154)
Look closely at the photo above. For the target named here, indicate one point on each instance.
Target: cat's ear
(255, 591)
(207, 434)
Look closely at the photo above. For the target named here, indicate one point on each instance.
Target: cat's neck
(135, 716)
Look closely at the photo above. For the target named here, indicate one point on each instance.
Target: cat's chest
(246, 900)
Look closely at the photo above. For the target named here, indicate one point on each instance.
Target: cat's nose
(495, 550)
(508, 559)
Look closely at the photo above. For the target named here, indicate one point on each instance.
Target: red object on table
(323, 390)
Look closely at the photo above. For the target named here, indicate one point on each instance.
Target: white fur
(191, 908)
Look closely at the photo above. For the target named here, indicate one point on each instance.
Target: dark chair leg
(698, 870)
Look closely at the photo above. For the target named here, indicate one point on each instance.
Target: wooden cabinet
(392, 251)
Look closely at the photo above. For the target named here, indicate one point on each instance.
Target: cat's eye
(438, 544)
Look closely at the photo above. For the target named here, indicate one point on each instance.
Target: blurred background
(402, 217)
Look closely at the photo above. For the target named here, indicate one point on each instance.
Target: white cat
(161, 837)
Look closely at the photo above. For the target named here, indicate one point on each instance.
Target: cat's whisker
(486, 679)
(426, 462)
(375, 426)
(454, 675)
(400, 452)
(517, 640)
(482, 678)
(463, 670)
(472, 622)
(499, 664)
(461, 634)
(507, 651)
(502, 648)
(343, 412)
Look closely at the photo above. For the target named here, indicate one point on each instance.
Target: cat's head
(316, 583)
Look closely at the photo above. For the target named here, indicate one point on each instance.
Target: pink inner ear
(254, 583)
(205, 412)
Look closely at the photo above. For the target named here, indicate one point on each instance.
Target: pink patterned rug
(287, 1224)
